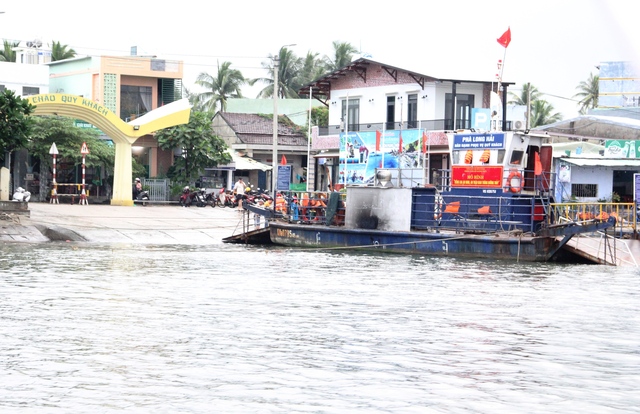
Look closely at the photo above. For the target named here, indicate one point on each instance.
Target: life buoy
(512, 188)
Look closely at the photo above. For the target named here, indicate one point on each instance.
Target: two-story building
(398, 115)
(129, 86)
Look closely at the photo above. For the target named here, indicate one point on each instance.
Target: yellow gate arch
(123, 134)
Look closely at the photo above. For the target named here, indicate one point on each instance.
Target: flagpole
(346, 148)
(309, 142)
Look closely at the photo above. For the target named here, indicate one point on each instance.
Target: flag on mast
(424, 142)
(505, 39)
(400, 143)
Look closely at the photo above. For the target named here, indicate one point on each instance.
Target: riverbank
(151, 224)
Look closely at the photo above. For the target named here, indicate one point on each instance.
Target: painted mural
(361, 153)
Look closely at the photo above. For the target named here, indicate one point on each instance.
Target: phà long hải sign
(478, 141)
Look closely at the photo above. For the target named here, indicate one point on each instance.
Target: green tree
(7, 54)
(320, 116)
(200, 147)
(542, 114)
(343, 54)
(528, 93)
(61, 52)
(16, 123)
(311, 69)
(68, 138)
(226, 84)
(589, 91)
(288, 68)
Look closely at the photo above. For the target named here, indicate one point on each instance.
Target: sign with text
(478, 141)
(284, 178)
(476, 176)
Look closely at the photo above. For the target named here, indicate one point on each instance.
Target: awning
(600, 162)
(239, 162)
(327, 154)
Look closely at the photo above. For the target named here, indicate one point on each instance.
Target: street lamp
(274, 173)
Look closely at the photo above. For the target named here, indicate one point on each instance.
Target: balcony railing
(429, 125)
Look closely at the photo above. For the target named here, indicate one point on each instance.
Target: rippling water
(243, 329)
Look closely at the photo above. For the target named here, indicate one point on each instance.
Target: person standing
(238, 188)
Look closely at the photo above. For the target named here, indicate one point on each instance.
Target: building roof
(602, 162)
(594, 127)
(296, 110)
(321, 87)
(258, 129)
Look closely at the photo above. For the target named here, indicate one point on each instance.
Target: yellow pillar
(122, 195)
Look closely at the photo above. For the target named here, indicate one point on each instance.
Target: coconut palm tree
(588, 93)
(7, 54)
(542, 114)
(226, 84)
(61, 52)
(343, 54)
(311, 69)
(528, 94)
(288, 68)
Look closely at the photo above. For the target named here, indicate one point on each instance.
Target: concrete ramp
(604, 249)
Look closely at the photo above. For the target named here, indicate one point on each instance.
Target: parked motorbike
(188, 198)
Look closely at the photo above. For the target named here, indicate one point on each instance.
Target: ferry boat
(494, 202)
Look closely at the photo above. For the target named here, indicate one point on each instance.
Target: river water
(236, 329)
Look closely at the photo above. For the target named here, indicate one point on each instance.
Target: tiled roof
(258, 129)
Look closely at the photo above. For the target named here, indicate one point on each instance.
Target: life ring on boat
(510, 186)
(437, 207)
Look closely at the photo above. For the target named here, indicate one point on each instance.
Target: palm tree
(7, 54)
(226, 84)
(589, 92)
(61, 52)
(311, 69)
(288, 81)
(542, 114)
(343, 54)
(529, 94)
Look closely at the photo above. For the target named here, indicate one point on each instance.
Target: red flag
(424, 142)
(378, 136)
(538, 166)
(283, 161)
(400, 144)
(505, 39)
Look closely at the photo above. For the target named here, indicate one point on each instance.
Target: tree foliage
(68, 138)
(15, 123)
(320, 116)
(225, 84)
(61, 52)
(7, 54)
(528, 93)
(201, 148)
(343, 54)
(589, 91)
(542, 113)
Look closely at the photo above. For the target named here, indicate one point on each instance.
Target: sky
(555, 44)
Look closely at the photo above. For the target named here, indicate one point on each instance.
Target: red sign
(476, 176)
(84, 150)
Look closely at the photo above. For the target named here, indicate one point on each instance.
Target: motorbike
(188, 197)
(143, 195)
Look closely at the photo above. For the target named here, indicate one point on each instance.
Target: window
(354, 114)
(516, 157)
(2, 88)
(412, 111)
(584, 190)
(464, 104)
(391, 112)
(134, 101)
(30, 90)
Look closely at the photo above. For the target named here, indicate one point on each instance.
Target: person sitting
(137, 189)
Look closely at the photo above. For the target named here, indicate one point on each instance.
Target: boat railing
(311, 207)
(625, 214)
(477, 213)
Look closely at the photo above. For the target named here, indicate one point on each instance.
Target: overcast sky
(555, 43)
